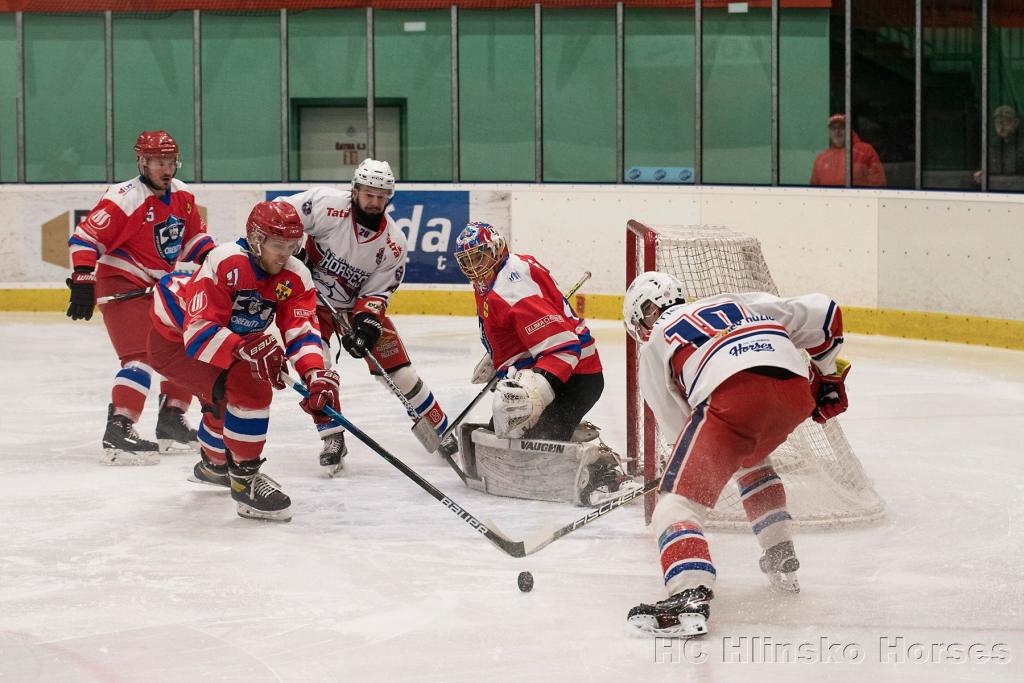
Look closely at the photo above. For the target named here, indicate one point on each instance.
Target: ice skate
(780, 564)
(257, 495)
(604, 480)
(122, 445)
(332, 454)
(684, 615)
(207, 472)
(173, 433)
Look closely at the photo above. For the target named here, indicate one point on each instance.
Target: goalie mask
(479, 250)
(647, 296)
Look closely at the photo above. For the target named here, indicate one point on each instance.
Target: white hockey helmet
(373, 173)
(646, 297)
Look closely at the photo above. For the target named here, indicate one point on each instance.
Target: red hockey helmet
(156, 143)
(273, 220)
(479, 250)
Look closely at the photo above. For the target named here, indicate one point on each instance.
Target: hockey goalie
(550, 376)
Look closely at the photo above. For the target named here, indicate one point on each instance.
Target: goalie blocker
(583, 471)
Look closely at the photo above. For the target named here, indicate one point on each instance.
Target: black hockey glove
(82, 284)
(364, 335)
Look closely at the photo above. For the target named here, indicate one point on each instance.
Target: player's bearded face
(275, 252)
(651, 312)
(159, 171)
(368, 206)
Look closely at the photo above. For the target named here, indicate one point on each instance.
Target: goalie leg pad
(538, 469)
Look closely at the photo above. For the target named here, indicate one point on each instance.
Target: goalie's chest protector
(521, 314)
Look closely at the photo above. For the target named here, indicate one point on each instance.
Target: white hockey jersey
(355, 267)
(696, 346)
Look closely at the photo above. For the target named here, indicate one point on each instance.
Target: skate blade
(689, 626)
(118, 457)
(264, 515)
(172, 447)
(225, 484)
(334, 470)
(783, 583)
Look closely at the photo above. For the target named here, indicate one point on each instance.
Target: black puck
(525, 582)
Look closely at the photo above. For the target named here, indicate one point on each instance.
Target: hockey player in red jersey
(138, 232)
(357, 257)
(726, 377)
(211, 335)
(551, 375)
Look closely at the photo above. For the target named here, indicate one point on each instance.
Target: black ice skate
(333, 452)
(173, 432)
(257, 495)
(780, 563)
(683, 615)
(122, 445)
(206, 472)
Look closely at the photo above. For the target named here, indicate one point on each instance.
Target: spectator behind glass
(829, 167)
(1005, 151)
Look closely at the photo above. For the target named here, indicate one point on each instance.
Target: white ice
(135, 574)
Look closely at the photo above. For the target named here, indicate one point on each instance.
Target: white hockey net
(825, 483)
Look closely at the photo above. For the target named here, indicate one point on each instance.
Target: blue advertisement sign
(431, 220)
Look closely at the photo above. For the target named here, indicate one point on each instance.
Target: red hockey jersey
(526, 322)
(139, 235)
(231, 297)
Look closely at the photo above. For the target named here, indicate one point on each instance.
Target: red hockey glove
(82, 284)
(324, 391)
(265, 358)
(366, 331)
(829, 392)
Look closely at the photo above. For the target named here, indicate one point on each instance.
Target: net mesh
(825, 483)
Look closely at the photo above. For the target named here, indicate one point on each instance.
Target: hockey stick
(502, 542)
(421, 429)
(130, 294)
(494, 378)
(492, 533)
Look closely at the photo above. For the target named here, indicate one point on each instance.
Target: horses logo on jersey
(250, 312)
(283, 290)
(307, 207)
(380, 255)
(168, 237)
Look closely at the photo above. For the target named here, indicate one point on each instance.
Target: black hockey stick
(492, 533)
(130, 294)
(500, 541)
(421, 429)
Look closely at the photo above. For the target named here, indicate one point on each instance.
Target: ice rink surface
(135, 574)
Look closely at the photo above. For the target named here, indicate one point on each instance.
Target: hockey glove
(323, 386)
(82, 284)
(365, 332)
(519, 401)
(829, 392)
(484, 370)
(265, 358)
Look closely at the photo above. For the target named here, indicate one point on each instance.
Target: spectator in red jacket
(830, 167)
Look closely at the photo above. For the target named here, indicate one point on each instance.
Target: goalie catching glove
(363, 337)
(265, 358)
(519, 400)
(829, 392)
